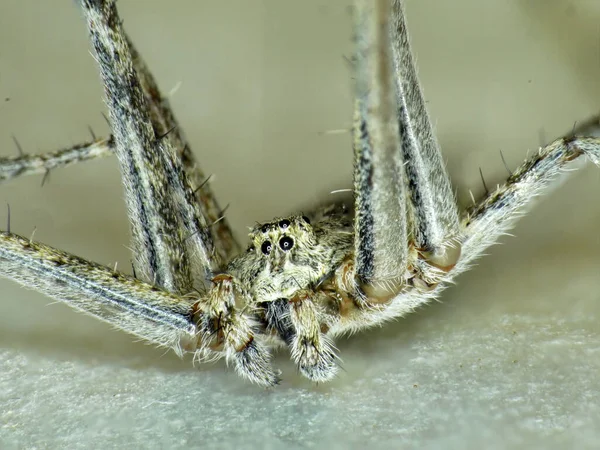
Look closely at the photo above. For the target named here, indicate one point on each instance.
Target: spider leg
(169, 230)
(435, 220)
(232, 333)
(494, 215)
(311, 349)
(165, 124)
(381, 228)
(405, 210)
(36, 164)
(298, 323)
(123, 301)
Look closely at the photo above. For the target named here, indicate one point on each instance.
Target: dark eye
(286, 243)
(266, 247)
(264, 228)
(284, 223)
(306, 219)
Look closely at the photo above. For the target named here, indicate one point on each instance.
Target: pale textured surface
(508, 360)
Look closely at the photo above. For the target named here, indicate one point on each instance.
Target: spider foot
(234, 337)
(230, 332)
(253, 363)
(310, 348)
(315, 360)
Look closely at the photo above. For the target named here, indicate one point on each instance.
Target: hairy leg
(225, 330)
(435, 222)
(24, 164)
(166, 127)
(165, 124)
(169, 231)
(406, 216)
(381, 226)
(311, 349)
(123, 301)
(494, 215)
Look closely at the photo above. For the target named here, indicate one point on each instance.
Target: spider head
(282, 239)
(284, 253)
(290, 254)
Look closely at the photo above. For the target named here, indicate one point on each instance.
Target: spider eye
(264, 228)
(286, 243)
(266, 247)
(306, 219)
(284, 223)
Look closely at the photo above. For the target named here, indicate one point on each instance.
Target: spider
(303, 279)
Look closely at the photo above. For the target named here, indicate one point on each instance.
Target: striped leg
(432, 204)
(405, 209)
(25, 164)
(208, 232)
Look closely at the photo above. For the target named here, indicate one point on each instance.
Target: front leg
(226, 330)
(311, 349)
(300, 324)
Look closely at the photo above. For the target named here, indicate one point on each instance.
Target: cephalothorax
(303, 279)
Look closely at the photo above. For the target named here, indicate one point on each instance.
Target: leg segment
(434, 213)
(232, 333)
(495, 214)
(169, 231)
(311, 349)
(165, 124)
(35, 164)
(405, 211)
(297, 323)
(124, 302)
(381, 239)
